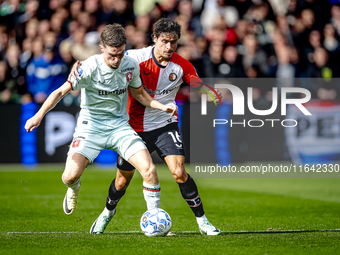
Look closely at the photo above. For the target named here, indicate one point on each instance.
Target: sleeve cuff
(134, 87)
(70, 84)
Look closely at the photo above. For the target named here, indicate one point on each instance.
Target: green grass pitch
(256, 216)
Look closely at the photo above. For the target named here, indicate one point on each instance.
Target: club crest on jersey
(75, 143)
(172, 77)
(128, 76)
(120, 161)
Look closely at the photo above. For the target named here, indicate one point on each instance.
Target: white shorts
(93, 135)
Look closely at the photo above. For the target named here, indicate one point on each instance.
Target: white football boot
(70, 200)
(170, 234)
(101, 223)
(206, 228)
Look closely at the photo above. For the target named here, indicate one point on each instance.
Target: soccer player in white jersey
(104, 80)
(162, 72)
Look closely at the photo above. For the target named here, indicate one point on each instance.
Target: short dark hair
(166, 25)
(113, 35)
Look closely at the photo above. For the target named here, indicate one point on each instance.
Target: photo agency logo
(210, 94)
(238, 105)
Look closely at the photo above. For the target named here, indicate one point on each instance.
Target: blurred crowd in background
(40, 41)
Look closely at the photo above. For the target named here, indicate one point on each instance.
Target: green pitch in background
(256, 216)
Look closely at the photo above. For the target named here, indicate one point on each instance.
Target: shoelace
(102, 221)
(207, 226)
(71, 200)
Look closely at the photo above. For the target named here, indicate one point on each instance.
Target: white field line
(185, 232)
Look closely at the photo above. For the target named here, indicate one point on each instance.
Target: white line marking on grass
(280, 231)
(65, 232)
(188, 232)
(36, 232)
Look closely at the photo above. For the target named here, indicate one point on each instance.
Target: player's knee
(180, 175)
(150, 173)
(69, 178)
(122, 183)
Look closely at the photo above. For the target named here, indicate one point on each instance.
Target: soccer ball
(155, 222)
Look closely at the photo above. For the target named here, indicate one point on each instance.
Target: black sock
(190, 194)
(114, 196)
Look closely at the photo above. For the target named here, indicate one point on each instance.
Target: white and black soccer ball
(155, 222)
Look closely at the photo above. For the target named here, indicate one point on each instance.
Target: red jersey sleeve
(189, 73)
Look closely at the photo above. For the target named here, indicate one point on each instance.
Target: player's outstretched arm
(145, 99)
(48, 105)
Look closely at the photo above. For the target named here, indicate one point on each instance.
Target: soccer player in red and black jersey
(162, 71)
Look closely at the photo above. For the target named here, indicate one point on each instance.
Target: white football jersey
(104, 91)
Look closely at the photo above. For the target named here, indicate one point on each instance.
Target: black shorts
(165, 141)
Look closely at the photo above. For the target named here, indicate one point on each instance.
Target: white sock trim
(109, 213)
(152, 195)
(201, 219)
(151, 186)
(72, 186)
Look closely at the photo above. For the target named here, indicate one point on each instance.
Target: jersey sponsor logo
(76, 143)
(146, 73)
(117, 92)
(128, 76)
(169, 120)
(158, 91)
(80, 137)
(173, 77)
(127, 69)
